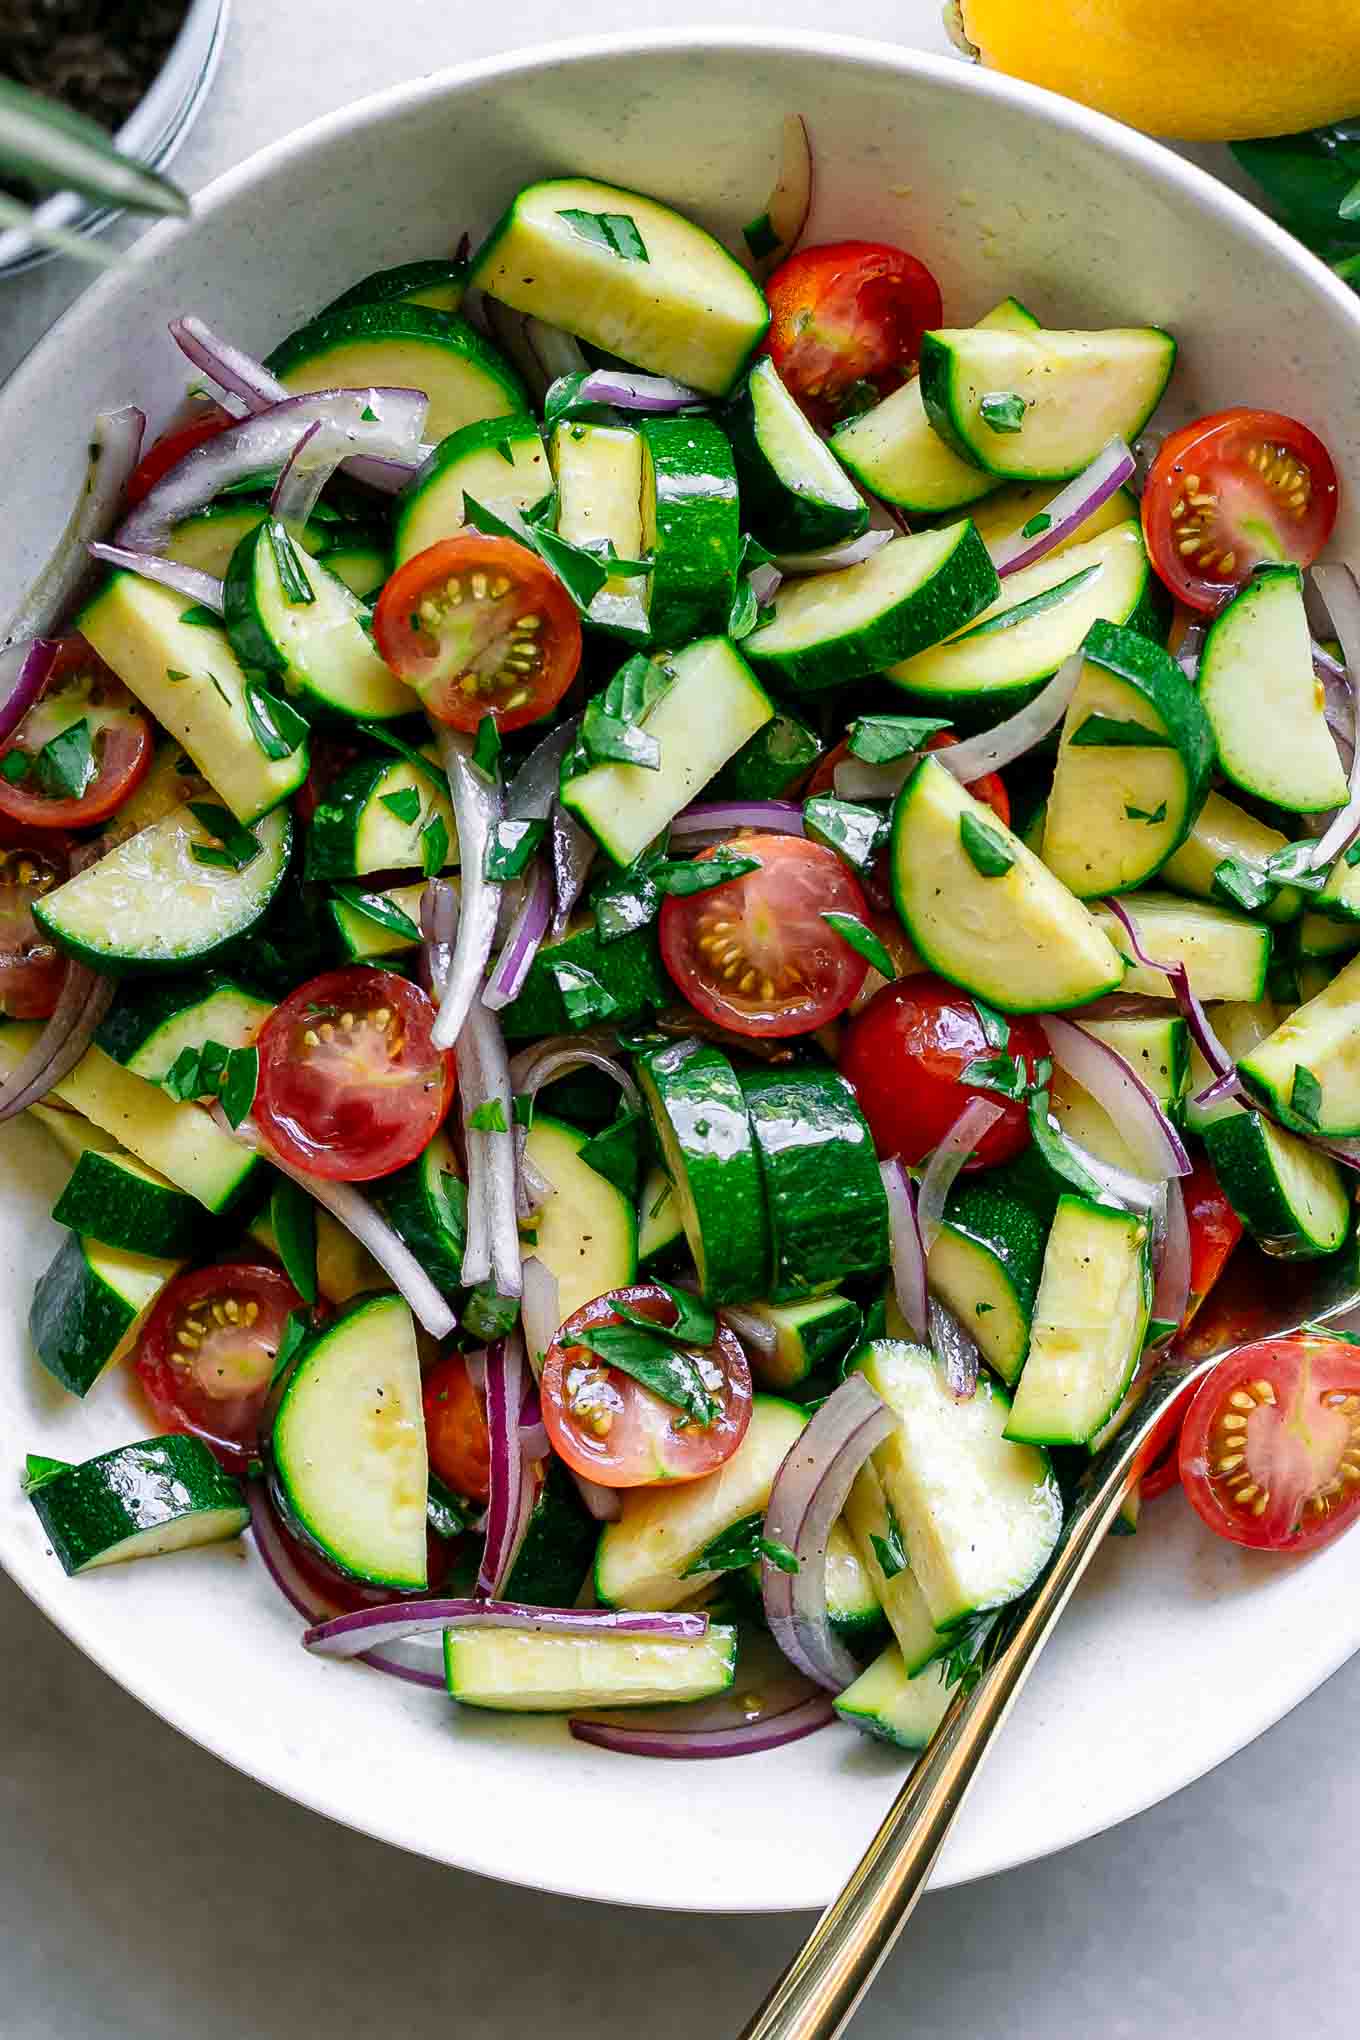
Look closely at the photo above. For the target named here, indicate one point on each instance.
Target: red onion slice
(1115, 1084)
(263, 443)
(534, 1068)
(306, 472)
(1187, 999)
(84, 999)
(114, 450)
(826, 559)
(1135, 1193)
(742, 1739)
(956, 1352)
(191, 582)
(908, 1248)
(352, 1209)
(351, 1634)
(478, 804)
(557, 352)
(995, 748)
(790, 202)
(766, 581)
(854, 779)
(573, 853)
(511, 1489)
(1081, 498)
(1337, 586)
(240, 374)
(977, 1116)
(492, 1249)
(439, 932)
(783, 817)
(510, 331)
(753, 1331)
(530, 795)
(808, 1495)
(629, 392)
(1172, 1297)
(522, 944)
(25, 669)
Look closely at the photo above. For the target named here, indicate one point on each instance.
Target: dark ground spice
(97, 56)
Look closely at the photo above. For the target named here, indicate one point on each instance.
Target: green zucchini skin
(554, 1561)
(771, 764)
(79, 1321)
(1299, 1219)
(422, 1210)
(695, 534)
(698, 1108)
(436, 283)
(146, 1494)
(473, 361)
(825, 1198)
(108, 1198)
(630, 970)
(794, 495)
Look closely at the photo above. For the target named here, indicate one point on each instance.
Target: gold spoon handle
(818, 1992)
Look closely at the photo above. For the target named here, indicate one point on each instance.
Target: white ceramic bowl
(1180, 1647)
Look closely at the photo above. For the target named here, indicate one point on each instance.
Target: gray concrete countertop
(150, 1892)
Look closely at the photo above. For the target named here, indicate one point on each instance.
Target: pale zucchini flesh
(519, 1672)
(326, 654)
(585, 1230)
(866, 1518)
(894, 1706)
(1226, 954)
(1259, 692)
(502, 465)
(1323, 1038)
(599, 474)
(1089, 1322)
(1223, 830)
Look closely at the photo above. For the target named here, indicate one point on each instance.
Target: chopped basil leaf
(964, 1653)
(863, 940)
(735, 1547)
(615, 231)
(891, 1551)
(489, 523)
(1001, 1073)
(240, 846)
(1353, 855)
(1243, 884)
(581, 573)
(682, 877)
(276, 726)
(65, 765)
(760, 238)
(1036, 525)
(1055, 1148)
(695, 1323)
(583, 996)
(607, 739)
(616, 1154)
(486, 751)
(201, 617)
(14, 766)
(1002, 411)
(753, 553)
(294, 1335)
(625, 901)
(564, 400)
(1138, 814)
(667, 1190)
(779, 1555)
(981, 1309)
(405, 804)
(297, 589)
(173, 674)
(488, 1315)
(984, 847)
(510, 847)
(996, 1028)
(881, 739)
(182, 1080)
(1293, 865)
(670, 1372)
(1119, 731)
(445, 1512)
(1305, 1095)
(292, 1216)
(1349, 208)
(38, 1470)
(239, 1084)
(506, 451)
(369, 415)
(436, 776)
(488, 1118)
(522, 1105)
(374, 907)
(854, 832)
(744, 614)
(218, 689)
(603, 549)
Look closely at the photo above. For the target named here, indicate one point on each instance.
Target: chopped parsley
(984, 847)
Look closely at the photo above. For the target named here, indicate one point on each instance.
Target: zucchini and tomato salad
(673, 919)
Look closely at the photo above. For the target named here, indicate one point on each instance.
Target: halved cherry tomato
(1232, 492)
(756, 954)
(170, 449)
(206, 1355)
(846, 321)
(107, 762)
(31, 968)
(615, 1431)
(351, 1086)
(1215, 1230)
(906, 1055)
(1270, 1452)
(456, 1436)
(480, 626)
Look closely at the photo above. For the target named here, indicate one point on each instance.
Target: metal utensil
(817, 1994)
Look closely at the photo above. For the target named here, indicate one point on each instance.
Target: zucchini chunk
(1090, 1320)
(208, 539)
(893, 1707)
(1134, 763)
(1339, 899)
(138, 1501)
(979, 1513)
(349, 1445)
(439, 282)
(189, 677)
(1156, 1049)
(1004, 515)
(712, 705)
(985, 1266)
(1291, 1197)
(652, 289)
(363, 937)
(1014, 936)
(827, 1208)
(586, 1230)
(699, 1111)
(629, 971)
(355, 829)
(155, 1019)
(1039, 406)
(113, 1198)
(316, 640)
(828, 629)
(1038, 619)
(1266, 709)
(1306, 1071)
(1226, 954)
(1223, 830)
(403, 346)
(154, 904)
(642, 1559)
(1318, 935)
(519, 1672)
(691, 526)
(598, 470)
(554, 1560)
(344, 1269)
(897, 454)
(794, 494)
(425, 1203)
(772, 764)
(499, 462)
(878, 1539)
(361, 568)
(813, 1333)
(89, 1306)
(1240, 1028)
